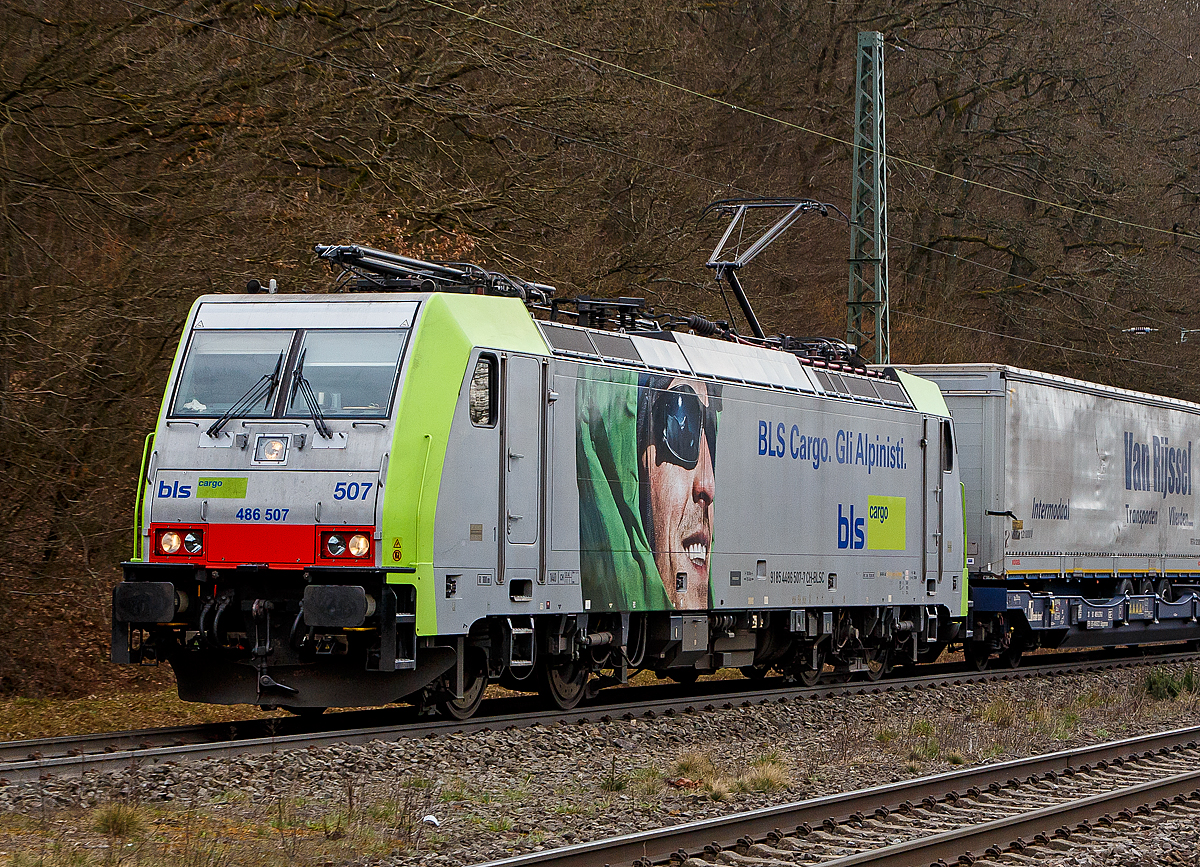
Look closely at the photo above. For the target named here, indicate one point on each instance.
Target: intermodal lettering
(1043, 511)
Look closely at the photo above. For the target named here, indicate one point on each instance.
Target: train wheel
(475, 672)
(564, 685)
(1124, 588)
(756, 673)
(811, 676)
(879, 662)
(684, 675)
(1163, 590)
(1145, 587)
(1011, 658)
(977, 655)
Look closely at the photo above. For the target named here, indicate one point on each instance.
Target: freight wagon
(1080, 507)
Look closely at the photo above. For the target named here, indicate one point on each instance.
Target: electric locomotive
(406, 492)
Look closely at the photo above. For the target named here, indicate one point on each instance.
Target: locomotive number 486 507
(248, 514)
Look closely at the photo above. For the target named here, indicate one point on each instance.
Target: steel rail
(661, 844)
(950, 845)
(30, 760)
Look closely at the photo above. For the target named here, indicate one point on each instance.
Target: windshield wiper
(301, 384)
(261, 390)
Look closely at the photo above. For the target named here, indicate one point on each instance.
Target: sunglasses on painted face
(680, 419)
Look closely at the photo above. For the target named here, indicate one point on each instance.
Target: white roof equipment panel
(661, 353)
(745, 363)
(286, 313)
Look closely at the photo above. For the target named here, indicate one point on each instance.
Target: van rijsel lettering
(777, 440)
(1179, 518)
(1157, 466)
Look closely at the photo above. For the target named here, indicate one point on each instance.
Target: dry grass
(999, 713)
(997, 727)
(695, 766)
(765, 774)
(120, 821)
(44, 717)
(367, 823)
(771, 776)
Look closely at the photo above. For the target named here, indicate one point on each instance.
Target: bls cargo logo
(882, 528)
(176, 490)
(214, 488)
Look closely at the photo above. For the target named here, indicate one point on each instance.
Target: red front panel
(281, 546)
(278, 545)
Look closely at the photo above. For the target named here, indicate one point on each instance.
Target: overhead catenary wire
(1041, 283)
(671, 85)
(1027, 340)
(1055, 346)
(662, 82)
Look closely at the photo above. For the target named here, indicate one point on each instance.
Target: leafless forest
(1043, 199)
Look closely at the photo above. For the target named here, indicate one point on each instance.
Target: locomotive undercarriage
(301, 641)
(568, 658)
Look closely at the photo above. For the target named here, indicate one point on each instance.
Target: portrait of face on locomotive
(646, 460)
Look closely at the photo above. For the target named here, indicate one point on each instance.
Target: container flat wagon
(1080, 505)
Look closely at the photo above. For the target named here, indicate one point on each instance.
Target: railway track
(27, 760)
(985, 812)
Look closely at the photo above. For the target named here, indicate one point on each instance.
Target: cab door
(934, 502)
(521, 472)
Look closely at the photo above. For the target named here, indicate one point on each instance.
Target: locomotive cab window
(481, 397)
(351, 373)
(947, 447)
(222, 367)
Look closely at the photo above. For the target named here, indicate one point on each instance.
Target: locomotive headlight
(170, 542)
(192, 542)
(335, 545)
(359, 545)
(270, 449)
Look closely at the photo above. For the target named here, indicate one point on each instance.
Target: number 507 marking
(351, 490)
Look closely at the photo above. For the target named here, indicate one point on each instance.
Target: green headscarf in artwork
(617, 564)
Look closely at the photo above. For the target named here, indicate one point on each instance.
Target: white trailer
(1080, 508)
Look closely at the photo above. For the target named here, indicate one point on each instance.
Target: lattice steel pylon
(867, 320)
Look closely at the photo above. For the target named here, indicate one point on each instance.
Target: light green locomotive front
(286, 515)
